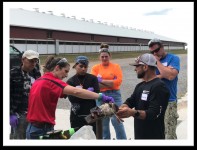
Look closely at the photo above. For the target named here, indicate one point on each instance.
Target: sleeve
(158, 102)
(175, 63)
(118, 80)
(94, 70)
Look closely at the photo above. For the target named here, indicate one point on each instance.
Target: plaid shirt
(20, 84)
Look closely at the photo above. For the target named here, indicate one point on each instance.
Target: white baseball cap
(30, 54)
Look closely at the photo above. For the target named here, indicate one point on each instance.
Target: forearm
(166, 72)
(107, 83)
(81, 93)
(123, 105)
(141, 115)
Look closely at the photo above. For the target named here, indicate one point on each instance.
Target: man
(168, 66)
(148, 102)
(81, 108)
(20, 84)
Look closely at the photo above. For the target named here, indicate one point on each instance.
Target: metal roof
(35, 19)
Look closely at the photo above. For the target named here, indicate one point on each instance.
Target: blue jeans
(119, 127)
(33, 132)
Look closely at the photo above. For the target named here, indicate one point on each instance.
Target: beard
(141, 75)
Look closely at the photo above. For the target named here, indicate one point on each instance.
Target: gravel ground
(130, 79)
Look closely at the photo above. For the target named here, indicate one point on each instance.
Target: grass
(115, 55)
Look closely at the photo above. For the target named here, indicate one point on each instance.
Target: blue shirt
(173, 61)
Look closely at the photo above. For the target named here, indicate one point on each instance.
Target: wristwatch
(137, 114)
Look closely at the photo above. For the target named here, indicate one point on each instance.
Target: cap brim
(137, 64)
(75, 65)
(134, 64)
(32, 57)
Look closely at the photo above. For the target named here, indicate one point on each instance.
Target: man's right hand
(13, 121)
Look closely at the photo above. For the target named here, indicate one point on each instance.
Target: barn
(47, 33)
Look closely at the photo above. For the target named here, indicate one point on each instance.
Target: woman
(45, 93)
(110, 78)
(80, 108)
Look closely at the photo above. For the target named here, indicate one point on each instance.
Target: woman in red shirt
(45, 93)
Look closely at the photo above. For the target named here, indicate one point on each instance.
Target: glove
(107, 99)
(115, 77)
(13, 121)
(99, 79)
(90, 89)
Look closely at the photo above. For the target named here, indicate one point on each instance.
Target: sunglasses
(63, 60)
(103, 50)
(155, 51)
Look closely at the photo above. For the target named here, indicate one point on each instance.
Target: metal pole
(99, 129)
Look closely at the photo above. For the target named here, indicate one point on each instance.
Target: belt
(42, 124)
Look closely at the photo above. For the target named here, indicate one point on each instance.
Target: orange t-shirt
(110, 72)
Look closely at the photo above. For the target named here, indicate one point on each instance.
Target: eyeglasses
(63, 60)
(83, 66)
(155, 51)
(103, 50)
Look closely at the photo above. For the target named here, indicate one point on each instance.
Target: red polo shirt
(43, 99)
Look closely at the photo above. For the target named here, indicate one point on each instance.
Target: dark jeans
(34, 132)
(19, 132)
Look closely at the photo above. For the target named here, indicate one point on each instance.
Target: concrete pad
(63, 123)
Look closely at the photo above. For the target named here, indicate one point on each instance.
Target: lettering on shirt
(144, 95)
(32, 80)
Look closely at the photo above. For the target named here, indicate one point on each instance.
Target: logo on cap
(145, 59)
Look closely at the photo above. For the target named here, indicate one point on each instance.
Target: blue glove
(13, 121)
(115, 77)
(91, 89)
(107, 99)
(99, 79)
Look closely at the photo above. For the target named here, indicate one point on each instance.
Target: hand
(91, 89)
(13, 121)
(107, 99)
(95, 112)
(99, 79)
(115, 77)
(123, 112)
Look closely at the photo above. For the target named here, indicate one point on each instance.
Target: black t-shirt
(152, 97)
(80, 108)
